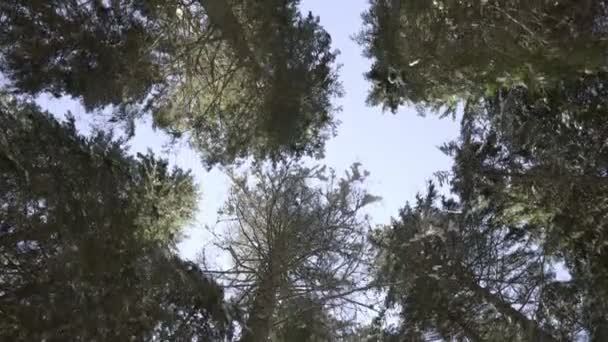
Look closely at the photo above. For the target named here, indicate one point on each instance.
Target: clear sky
(399, 150)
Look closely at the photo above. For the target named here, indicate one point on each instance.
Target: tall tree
(86, 236)
(239, 78)
(464, 276)
(436, 53)
(532, 80)
(297, 235)
(542, 159)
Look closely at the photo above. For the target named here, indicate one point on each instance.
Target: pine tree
(437, 53)
(540, 159)
(87, 236)
(239, 78)
(297, 234)
(463, 276)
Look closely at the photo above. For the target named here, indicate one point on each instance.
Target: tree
(87, 236)
(190, 305)
(465, 277)
(238, 78)
(531, 79)
(437, 53)
(541, 159)
(311, 324)
(297, 235)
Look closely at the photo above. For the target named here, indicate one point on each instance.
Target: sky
(399, 150)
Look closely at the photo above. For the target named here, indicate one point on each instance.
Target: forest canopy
(87, 239)
(220, 72)
(509, 244)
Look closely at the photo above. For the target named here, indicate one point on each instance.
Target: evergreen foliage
(87, 235)
(239, 78)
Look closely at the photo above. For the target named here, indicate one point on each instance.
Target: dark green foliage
(461, 276)
(541, 159)
(90, 50)
(435, 53)
(239, 78)
(530, 172)
(531, 161)
(86, 234)
(304, 320)
(189, 305)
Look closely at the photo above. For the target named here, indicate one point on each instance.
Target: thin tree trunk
(257, 328)
(259, 322)
(534, 333)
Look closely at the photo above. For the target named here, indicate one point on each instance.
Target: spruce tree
(239, 78)
(87, 237)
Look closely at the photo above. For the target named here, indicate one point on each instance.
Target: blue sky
(399, 150)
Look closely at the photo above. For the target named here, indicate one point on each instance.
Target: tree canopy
(542, 161)
(87, 236)
(461, 274)
(238, 78)
(530, 173)
(510, 244)
(297, 240)
(437, 53)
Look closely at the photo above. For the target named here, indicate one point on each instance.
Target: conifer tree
(239, 78)
(87, 239)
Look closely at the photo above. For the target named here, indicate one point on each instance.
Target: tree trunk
(533, 332)
(259, 322)
(257, 328)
